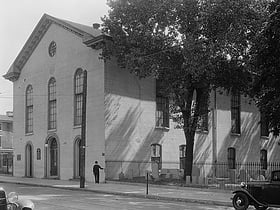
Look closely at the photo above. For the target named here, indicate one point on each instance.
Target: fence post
(147, 183)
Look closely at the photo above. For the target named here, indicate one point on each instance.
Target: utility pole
(83, 132)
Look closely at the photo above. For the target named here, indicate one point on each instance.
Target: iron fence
(211, 175)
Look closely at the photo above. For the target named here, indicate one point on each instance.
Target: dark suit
(95, 170)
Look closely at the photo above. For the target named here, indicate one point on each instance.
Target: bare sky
(18, 18)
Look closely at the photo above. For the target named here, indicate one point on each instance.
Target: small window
(0, 126)
(263, 159)
(52, 48)
(235, 113)
(38, 154)
(18, 157)
(156, 154)
(182, 154)
(231, 158)
(0, 141)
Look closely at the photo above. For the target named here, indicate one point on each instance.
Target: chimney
(96, 25)
(9, 113)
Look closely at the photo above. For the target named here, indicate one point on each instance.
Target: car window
(276, 176)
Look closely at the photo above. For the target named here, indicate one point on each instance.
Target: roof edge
(36, 36)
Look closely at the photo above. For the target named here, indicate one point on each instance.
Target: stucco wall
(249, 143)
(130, 106)
(71, 54)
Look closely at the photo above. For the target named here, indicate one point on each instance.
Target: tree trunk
(190, 117)
(189, 135)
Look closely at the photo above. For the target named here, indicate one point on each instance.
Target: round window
(52, 48)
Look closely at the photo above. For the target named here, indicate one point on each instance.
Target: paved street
(52, 198)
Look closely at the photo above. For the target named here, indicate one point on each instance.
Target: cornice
(30, 47)
(67, 28)
(36, 36)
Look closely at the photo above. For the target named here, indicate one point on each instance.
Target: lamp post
(83, 132)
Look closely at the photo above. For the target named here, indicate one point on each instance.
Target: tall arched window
(29, 110)
(52, 104)
(78, 96)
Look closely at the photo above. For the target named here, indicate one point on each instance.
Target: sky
(18, 18)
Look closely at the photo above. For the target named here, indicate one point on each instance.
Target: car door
(271, 191)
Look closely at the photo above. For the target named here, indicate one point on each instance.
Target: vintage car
(260, 194)
(11, 202)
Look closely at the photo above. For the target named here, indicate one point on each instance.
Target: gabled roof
(89, 35)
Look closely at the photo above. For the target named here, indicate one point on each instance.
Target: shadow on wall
(127, 149)
(203, 152)
(203, 145)
(247, 144)
(272, 145)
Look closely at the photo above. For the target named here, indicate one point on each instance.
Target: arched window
(29, 110)
(52, 104)
(231, 158)
(78, 96)
(263, 159)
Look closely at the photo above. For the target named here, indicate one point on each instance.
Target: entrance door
(28, 161)
(53, 158)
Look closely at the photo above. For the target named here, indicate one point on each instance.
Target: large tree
(190, 46)
(266, 66)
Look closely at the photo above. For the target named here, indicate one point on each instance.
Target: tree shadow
(244, 143)
(127, 143)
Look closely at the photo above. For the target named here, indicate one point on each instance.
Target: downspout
(214, 134)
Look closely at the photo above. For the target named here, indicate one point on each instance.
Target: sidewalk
(159, 192)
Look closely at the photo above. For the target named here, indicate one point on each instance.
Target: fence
(216, 175)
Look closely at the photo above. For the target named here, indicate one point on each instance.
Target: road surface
(46, 198)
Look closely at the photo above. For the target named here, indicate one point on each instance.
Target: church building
(127, 123)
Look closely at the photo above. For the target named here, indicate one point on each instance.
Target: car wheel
(240, 201)
(260, 207)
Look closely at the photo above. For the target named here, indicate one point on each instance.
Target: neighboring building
(6, 143)
(127, 122)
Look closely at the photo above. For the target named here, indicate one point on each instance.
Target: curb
(136, 195)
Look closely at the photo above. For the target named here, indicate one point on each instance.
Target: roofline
(36, 36)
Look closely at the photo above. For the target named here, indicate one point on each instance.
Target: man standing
(95, 170)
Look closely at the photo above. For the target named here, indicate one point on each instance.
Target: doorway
(52, 158)
(28, 160)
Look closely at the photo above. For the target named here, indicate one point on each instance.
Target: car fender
(249, 196)
(25, 203)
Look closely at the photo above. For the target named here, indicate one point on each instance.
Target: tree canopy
(266, 66)
(190, 46)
